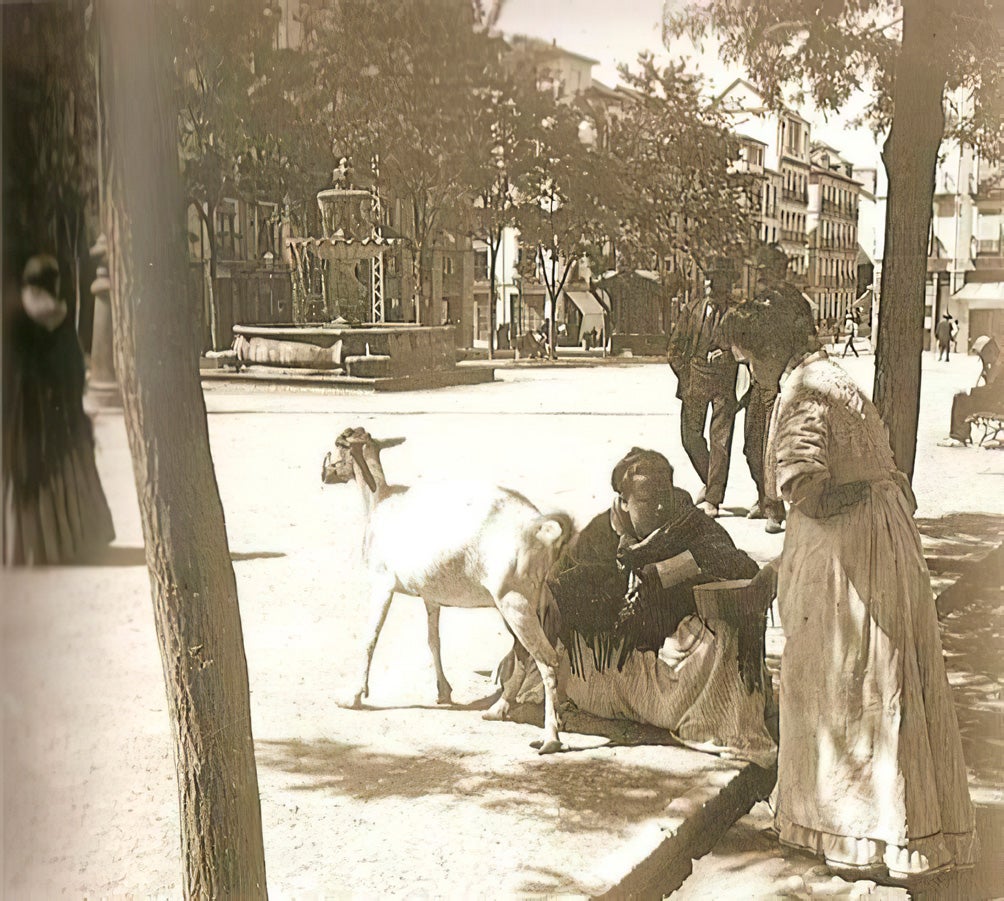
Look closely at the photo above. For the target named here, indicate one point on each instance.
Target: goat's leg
(511, 684)
(444, 693)
(381, 593)
(521, 616)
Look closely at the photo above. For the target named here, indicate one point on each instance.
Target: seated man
(637, 646)
(988, 398)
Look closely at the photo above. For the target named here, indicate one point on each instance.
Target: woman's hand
(764, 583)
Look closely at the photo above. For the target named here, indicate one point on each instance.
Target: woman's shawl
(614, 608)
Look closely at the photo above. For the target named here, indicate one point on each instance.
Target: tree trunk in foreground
(910, 155)
(193, 586)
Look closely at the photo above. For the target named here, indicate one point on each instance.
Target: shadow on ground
(569, 796)
(116, 555)
(961, 533)
(592, 793)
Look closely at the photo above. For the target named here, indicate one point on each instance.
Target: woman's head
(769, 332)
(643, 481)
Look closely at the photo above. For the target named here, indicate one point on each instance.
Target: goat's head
(352, 447)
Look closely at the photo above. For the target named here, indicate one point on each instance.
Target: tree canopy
(682, 194)
(831, 50)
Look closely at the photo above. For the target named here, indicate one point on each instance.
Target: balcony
(839, 210)
(796, 237)
(801, 197)
(835, 243)
(988, 247)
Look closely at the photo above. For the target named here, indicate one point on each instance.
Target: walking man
(851, 324)
(943, 333)
(706, 374)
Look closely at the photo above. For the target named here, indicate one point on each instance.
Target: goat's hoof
(445, 697)
(553, 746)
(355, 702)
(498, 711)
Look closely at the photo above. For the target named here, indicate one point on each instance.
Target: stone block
(369, 367)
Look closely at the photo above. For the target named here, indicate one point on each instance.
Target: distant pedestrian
(851, 327)
(955, 335)
(943, 334)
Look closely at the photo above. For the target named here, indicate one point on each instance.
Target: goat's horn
(384, 443)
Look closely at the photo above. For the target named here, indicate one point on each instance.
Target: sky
(616, 31)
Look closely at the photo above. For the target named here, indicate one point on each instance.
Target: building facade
(782, 138)
(833, 205)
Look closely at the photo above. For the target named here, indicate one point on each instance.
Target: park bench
(992, 425)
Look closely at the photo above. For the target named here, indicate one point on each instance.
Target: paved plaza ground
(407, 798)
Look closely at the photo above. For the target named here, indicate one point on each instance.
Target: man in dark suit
(706, 375)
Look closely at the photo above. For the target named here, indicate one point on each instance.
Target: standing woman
(870, 767)
(54, 509)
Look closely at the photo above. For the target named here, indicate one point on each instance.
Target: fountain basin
(396, 356)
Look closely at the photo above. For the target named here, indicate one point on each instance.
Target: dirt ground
(405, 798)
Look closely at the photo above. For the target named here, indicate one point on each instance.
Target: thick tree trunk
(192, 579)
(910, 156)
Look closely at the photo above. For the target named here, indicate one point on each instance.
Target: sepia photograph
(487, 449)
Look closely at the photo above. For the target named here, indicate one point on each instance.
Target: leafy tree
(681, 194)
(214, 74)
(908, 54)
(568, 215)
(403, 83)
(247, 110)
(501, 143)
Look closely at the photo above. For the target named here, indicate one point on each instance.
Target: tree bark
(192, 580)
(910, 156)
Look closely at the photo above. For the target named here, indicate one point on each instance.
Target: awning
(591, 309)
(982, 295)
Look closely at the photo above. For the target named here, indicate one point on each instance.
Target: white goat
(455, 545)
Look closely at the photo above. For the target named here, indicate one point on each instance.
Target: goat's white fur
(455, 544)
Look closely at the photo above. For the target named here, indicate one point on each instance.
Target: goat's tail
(554, 530)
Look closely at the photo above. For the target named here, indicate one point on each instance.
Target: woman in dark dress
(54, 510)
(54, 507)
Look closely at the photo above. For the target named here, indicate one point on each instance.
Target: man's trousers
(710, 458)
(758, 411)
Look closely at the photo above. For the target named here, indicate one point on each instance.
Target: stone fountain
(342, 293)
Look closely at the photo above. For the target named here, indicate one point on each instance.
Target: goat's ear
(384, 443)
